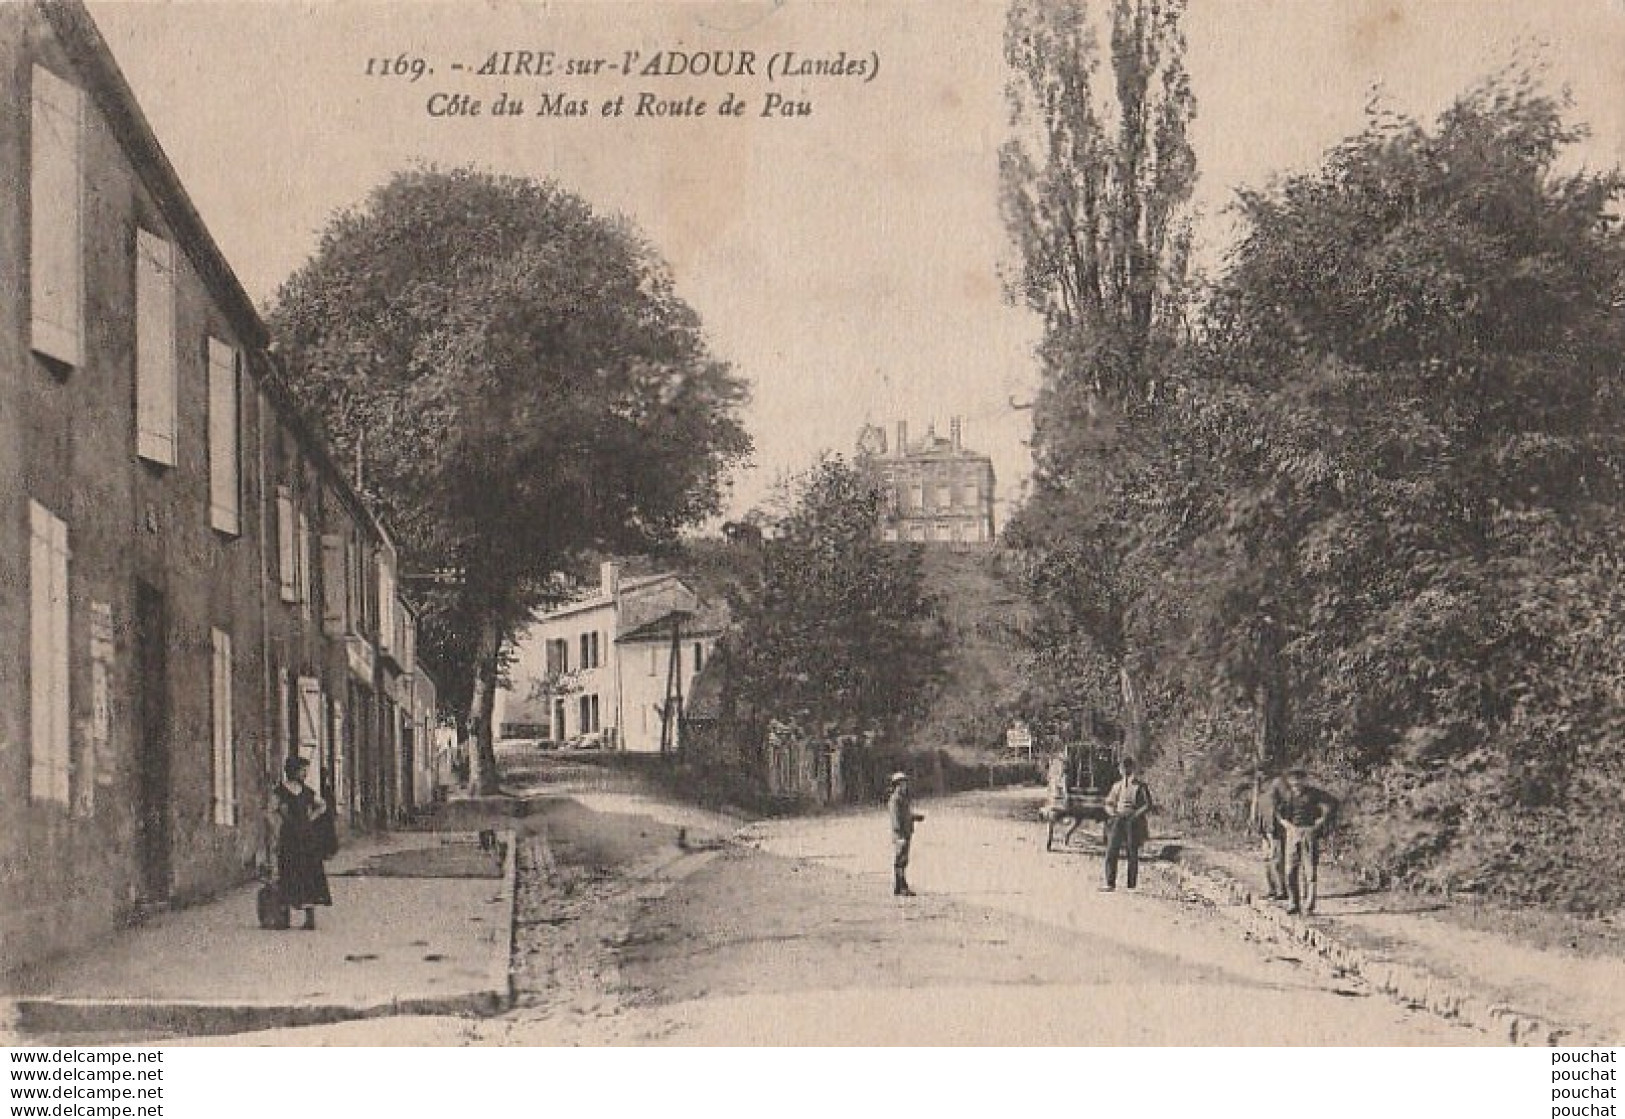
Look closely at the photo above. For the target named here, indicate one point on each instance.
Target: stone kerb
(1405, 983)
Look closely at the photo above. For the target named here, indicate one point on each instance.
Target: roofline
(82, 41)
(603, 600)
(637, 638)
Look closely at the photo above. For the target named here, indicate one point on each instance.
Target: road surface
(787, 934)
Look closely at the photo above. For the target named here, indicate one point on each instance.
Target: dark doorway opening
(153, 791)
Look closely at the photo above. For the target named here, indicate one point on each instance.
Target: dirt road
(786, 933)
(794, 938)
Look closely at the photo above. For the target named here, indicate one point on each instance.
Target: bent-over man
(1273, 836)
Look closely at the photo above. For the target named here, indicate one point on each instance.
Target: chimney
(955, 430)
(902, 438)
(609, 579)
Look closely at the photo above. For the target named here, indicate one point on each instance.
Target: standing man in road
(1127, 804)
(1302, 812)
(903, 818)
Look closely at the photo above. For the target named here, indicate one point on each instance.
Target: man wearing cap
(1126, 806)
(903, 818)
(1303, 811)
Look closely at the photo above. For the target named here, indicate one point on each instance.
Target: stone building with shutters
(195, 590)
(936, 491)
(598, 671)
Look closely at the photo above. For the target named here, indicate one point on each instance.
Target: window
(945, 495)
(558, 656)
(699, 657)
(287, 545)
(589, 650)
(589, 714)
(558, 720)
(224, 449)
(156, 375)
(48, 653)
(916, 496)
(335, 597)
(56, 276)
(225, 754)
(355, 583)
(654, 657)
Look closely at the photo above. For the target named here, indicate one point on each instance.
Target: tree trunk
(482, 754)
(1133, 716)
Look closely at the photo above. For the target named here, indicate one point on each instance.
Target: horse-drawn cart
(1079, 779)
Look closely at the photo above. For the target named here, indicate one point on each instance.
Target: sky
(847, 262)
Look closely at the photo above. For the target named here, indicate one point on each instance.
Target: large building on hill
(937, 491)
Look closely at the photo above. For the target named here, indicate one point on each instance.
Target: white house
(602, 668)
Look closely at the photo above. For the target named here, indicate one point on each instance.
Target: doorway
(152, 779)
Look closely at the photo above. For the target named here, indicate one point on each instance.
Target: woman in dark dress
(299, 829)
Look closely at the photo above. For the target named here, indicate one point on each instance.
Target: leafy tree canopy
(839, 638)
(521, 383)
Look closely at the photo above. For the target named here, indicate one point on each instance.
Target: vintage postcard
(648, 522)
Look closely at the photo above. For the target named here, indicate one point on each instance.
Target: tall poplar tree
(1097, 179)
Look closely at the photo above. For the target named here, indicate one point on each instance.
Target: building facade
(165, 514)
(936, 491)
(602, 669)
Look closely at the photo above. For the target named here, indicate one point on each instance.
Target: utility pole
(672, 711)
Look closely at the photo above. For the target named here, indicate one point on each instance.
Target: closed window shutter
(310, 714)
(225, 753)
(333, 585)
(341, 750)
(302, 562)
(386, 602)
(56, 283)
(282, 744)
(155, 374)
(286, 545)
(355, 585)
(224, 462)
(48, 654)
